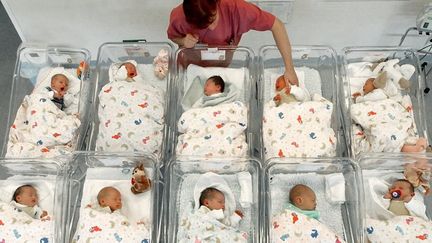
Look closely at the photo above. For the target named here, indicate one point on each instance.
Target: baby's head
(401, 189)
(214, 85)
(369, 85)
(130, 68)
(212, 198)
(375, 83)
(60, 83)
(110, 197)
(280, 83)
(26, 195)
(303, 197)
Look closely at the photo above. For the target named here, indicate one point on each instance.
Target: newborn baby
(373, 89)
(287, 94)
(400, 193)
(59, 86)
(109, 199)
(212, 202)
(303, 200)
(25, 199)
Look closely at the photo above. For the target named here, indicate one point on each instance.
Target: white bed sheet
(120, 179)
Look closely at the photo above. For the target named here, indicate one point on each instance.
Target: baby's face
(60, 84)
(112, 199)
(403, 187)
(308, 201)
(216, 202)
(131, 69)
(368, 86)
(280, 83)
(211, 88)
(28, 197)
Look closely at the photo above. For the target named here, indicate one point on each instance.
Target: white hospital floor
(9, 42)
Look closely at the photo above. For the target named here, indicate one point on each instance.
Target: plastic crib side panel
(147, 55)
(402, 56)
(35, 64)
(317, 69)
(184, 175)
(206, 60)
(89, 172)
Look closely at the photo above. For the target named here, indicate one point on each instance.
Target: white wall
(88, 24)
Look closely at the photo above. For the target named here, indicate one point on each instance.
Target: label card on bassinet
(213, 54)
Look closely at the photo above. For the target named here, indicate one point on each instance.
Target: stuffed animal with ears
(160, 63)
(398, 75)
(140, 181)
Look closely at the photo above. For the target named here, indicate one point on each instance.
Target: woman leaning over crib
(222, 22)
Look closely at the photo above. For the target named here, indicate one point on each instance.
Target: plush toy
(398, 75)
(82, 68)
(140, 181)
(161, 64)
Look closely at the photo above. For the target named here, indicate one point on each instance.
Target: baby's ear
(205, 202)
(299, 200)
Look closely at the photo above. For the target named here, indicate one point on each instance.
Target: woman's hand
(190, 40)
(290, 78)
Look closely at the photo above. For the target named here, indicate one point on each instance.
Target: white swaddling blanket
(131, 115)
(292, 130)
(20, 227)
(214, 131)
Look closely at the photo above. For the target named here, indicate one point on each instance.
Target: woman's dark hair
(217, 80)
(200, 13)
(19, 190)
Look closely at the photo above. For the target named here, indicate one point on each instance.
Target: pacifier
(396, 194)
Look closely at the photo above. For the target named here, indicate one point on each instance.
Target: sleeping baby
(299, 220)
(216, 92)
(212, 202)
(303, 200)
(25, 199)
(103, 221)
(372, 90)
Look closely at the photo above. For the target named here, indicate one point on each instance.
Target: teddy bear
(398, 75)
(161, 64)
(140, 182)
(287, 94)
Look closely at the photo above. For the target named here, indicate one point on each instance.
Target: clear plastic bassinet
(35, 64)
(88, 173)
(317, 71)
(182, 180)
(193, 67)
(48, 179)
(356, 61)
(381, 222)
(139, 116)
(337, 186)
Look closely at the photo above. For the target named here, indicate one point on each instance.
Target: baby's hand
(388, 195)
(277, 98)
(239, 213)
(356, 94)
(44, 213)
